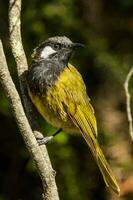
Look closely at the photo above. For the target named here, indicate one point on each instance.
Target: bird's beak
(77, 45)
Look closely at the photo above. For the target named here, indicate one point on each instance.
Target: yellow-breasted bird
(58, 91)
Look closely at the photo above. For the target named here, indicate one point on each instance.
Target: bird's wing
(75, 95)
(78, 107)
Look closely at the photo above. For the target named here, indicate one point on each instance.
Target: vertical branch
(128, 102)
(18, 52)
(39, 154)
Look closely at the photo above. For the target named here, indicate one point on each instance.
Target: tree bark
(27, 128)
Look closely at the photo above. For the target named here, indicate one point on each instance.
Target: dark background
(106, 29)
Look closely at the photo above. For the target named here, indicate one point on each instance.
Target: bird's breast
(52, 103)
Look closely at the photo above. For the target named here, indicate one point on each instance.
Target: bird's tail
(103, 165)
(106, 171)
(83, 122)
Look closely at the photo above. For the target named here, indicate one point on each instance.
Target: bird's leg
(45, 140)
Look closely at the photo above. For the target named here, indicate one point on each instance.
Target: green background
(106, 29)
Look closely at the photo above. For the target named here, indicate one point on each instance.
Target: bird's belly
(53, 117)
(55, 121)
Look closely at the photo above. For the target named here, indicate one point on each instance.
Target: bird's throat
(43, 75)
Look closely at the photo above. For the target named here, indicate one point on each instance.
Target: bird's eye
(57, 46)
(64, 46)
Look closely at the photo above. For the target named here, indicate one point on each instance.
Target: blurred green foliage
(106, 29)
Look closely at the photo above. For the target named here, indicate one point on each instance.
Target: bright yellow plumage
(66, 105)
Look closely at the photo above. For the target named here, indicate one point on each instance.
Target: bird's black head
(49, 60)
(55, 49)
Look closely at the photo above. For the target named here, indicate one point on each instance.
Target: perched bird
(58, 91)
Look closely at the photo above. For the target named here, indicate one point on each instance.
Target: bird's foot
(44, 140)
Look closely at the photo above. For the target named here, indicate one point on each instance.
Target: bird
(58, 91)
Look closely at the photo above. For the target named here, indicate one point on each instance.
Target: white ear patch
(47, 51)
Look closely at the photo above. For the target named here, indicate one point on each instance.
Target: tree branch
(39, 154)
(128, 102)
(19, 54)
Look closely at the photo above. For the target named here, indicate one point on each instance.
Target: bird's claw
(44, 140)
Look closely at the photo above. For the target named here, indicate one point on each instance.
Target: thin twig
(44, 165)
(128, 102)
